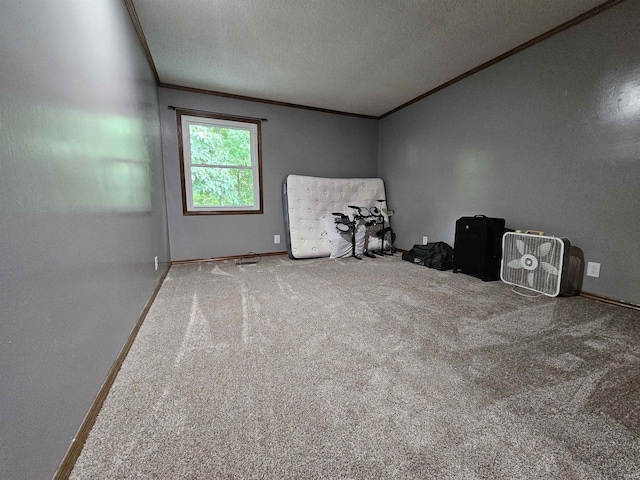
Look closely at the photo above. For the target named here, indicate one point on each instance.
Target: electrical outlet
(425, 240)
(276, 239)
(593, 269)
(155, 261)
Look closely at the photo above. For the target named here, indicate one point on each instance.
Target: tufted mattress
(306, 200)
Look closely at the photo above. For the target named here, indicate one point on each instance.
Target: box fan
(536, 262)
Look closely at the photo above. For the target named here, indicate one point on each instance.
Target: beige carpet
(369, 369)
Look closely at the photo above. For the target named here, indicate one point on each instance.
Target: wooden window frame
(181, 146)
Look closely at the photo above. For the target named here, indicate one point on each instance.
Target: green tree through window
(221, 165)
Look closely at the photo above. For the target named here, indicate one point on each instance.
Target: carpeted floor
(369, 369)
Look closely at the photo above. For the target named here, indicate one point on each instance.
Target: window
(221, 164)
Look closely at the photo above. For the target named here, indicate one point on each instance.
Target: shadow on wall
(575, 271)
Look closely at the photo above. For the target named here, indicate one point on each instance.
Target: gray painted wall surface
(294, 141)
(82, 216)
(548, 139)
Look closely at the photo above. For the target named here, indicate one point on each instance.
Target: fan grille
(533, 262)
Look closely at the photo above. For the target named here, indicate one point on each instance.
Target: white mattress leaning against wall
(307, 200)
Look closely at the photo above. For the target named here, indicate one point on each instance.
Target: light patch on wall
(99, 136)
(95, 162)
(621, 103)
(629, 101)
(619, 114)
(472, 169)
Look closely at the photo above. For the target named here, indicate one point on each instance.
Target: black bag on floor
(438, 255)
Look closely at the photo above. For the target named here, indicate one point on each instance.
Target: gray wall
(82, 215)
(294, 141)
(549, 139)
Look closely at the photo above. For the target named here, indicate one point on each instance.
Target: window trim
(180, 113)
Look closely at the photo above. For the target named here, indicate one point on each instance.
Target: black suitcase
(477, 248)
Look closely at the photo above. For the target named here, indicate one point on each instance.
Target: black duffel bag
(438, 255)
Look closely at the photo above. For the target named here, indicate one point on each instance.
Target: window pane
(220, 146)
(220, 158)
(221, 187)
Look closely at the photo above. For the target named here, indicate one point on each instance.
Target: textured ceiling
(358, 56)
